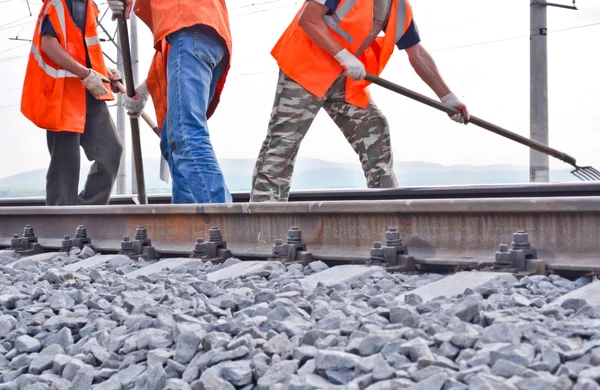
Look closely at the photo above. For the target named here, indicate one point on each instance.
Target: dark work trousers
(101, 145)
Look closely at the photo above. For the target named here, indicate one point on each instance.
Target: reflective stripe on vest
(333, 21)
(50, 71)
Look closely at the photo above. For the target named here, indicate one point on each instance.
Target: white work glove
(115, 76)
(136, 104)
(452, 101)
(117, 7)
(352, 65)
(94, 82)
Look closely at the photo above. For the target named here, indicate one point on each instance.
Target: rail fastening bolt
(81, 232)
(214, 234)
(392, 237)
(28, 231)
(140, 233)
(294, 235)
(521, 240)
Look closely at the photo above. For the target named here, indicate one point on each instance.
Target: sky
(480, 46)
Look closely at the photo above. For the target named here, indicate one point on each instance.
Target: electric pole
(539, 167)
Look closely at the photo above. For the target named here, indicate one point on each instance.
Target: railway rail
(447, 229)
(542, 190)
(190, 314)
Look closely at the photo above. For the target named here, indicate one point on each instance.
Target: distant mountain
(308, 174)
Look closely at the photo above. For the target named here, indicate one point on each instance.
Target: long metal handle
(135, 126)
(474, 120)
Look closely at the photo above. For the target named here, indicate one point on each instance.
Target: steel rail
(414, 192)
(564, 230)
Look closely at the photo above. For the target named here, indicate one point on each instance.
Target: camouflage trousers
(294, 110)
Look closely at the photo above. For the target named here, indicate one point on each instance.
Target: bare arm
(423, 63)
(311, 21)
(53, 49)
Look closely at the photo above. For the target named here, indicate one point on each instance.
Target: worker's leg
(195, 65)
(101, 145)
(368, 132)
(293, 112)
(62, 178)
(180, 191)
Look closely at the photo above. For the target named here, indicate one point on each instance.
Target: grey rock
(467, 308)
(573, 304)
(83, 379)
(238, 373)
(586, 384)
(277, 345)
(63, 337)
(187, 346)
(27, 344)
(277, 373)
(177, 384)
(591, 373)
(304, 353)
(72, 368)
(416, 349)
(158, 356)
(317, 266)
(382, 372)
(373, 343)
(404, 315)
(307, 368)
(448, 350)
(507, 369)
(335, 360)
(45, 359)
(501, 333)
(59, 363)
(154, 378)
(435, 382)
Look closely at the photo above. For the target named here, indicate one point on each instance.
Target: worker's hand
(115, 76)
(352, 65)
(452, 101)
(94, 82)
(118, 6)
(136, 104)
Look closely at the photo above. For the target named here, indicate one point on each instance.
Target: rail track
(440, 229)
(162, 309)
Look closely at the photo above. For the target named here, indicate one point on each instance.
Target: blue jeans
(197, 59)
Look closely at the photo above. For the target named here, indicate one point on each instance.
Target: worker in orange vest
(323, 57)
(192, 40)
(65, 92)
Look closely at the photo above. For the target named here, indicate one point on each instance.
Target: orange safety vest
(53, 98)
(164, 17)
(315, 69)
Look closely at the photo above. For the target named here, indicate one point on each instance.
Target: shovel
(583, 173)
(164, 167)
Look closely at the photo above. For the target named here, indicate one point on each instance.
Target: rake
(583, 173)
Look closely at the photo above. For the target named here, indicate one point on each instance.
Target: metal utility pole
(539, 166)
(135, 67)
(121, 126)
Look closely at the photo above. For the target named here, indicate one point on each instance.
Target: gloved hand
(453, 101)
(114, 75)
(94, 82)
(354, 68)
(118, 6)
(136, 104)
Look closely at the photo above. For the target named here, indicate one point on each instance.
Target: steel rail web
(415, 192)
(564, 230)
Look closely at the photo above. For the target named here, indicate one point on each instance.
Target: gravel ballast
(273, 329)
